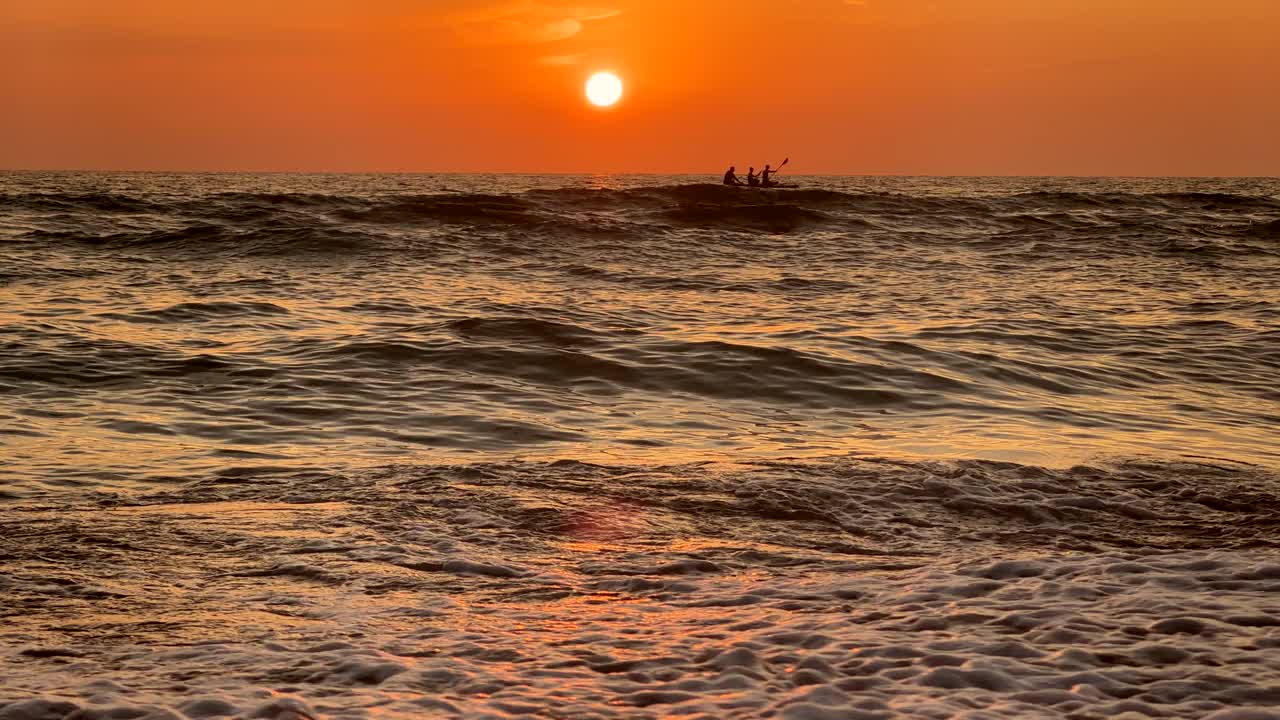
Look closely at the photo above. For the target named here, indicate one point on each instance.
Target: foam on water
(853, 588)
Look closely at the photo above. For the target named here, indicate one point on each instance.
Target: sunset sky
(951, 87)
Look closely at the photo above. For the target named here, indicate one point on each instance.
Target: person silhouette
(730, 178)
(753, 180)
(765, 177)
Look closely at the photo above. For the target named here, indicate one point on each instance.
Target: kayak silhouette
(763, 180)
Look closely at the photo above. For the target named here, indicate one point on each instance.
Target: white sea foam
(1056, 635)
(594, 592)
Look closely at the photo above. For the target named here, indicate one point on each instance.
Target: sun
(604, 89)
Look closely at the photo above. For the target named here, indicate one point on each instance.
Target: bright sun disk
(604, 89)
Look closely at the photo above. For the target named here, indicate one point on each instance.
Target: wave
(771, 218)
(92, 202)
(844, 506)
(1269, 230)
(188, 312)
(222, 240)
(549, 361)
(623, 221)
(845, 588)
(472, 209)
(516, 207)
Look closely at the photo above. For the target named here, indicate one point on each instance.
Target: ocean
(554, 446)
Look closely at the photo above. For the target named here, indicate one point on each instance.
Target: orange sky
(1002, 87)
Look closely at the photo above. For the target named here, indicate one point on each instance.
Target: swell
(1189, 225)
(1036, 370)
(223, 240)
(517, 208)
(542, 355)
(871, 506)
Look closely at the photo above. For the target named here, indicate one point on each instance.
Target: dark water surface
(573, 446)
(167, 326)
(161, 326)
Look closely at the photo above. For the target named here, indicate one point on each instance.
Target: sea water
(638, 446)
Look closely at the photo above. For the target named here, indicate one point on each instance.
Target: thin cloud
(561, 59)
(526, 23)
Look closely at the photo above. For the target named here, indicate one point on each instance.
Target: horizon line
(599, 173)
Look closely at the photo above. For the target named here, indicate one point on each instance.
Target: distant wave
(1197, 227)
(516, 207)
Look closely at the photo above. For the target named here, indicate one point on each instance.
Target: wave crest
(275, 223)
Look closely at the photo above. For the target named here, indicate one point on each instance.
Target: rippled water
(158, 326)
(638, 446)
